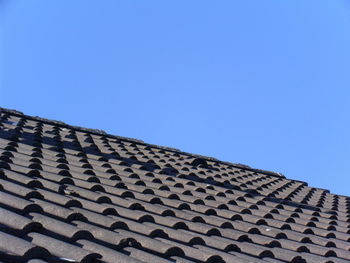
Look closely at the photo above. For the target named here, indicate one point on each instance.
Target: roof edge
(102, 132)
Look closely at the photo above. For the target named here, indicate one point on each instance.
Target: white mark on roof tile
(10, 122)
(67, 259)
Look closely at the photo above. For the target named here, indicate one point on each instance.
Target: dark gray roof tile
(157, 209)
(113, 181)
(287, 255)
(57, 210)
(22, 179)
(102, 220)
(336, 252)
(20, 168)
(189, 215)
(59, 199)
(217, 242)
(137, 215)
(229, 214)
(145, 256)
(95, 207)
(189, 238)
(108, 254)
(20, 190)
(63, 249)
(17, 224)
(181, 260)
(203, 228)
(218, 221)
(315, 258)
(14, 249)
(121, 192)
(157, 245)
(254, 249)
(105, 235)
(170, 221)
(82, 192)
(177, 204)
(227, 257)
(195, 253)
(236, 235)
(37, 261)
(272, 260)
(264, 240)
(338, 243)
(18, 204)
(54, 186)
(144, 229)
(61, 228)
(337, 260)
(128, 202)
(272, 232)
(148, 198)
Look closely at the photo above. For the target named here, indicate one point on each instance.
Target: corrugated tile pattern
(69, 194)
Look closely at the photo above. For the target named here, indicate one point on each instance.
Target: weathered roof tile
(63, 249)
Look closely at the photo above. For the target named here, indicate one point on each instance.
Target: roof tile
(63, 249)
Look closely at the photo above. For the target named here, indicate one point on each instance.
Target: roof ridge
(102, 132)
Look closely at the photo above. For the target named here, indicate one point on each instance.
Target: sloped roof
(70, 194)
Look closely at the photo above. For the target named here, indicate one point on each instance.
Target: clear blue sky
(263, 83)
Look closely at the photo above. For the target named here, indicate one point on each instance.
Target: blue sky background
(263, 83)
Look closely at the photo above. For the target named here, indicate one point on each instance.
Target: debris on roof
(71, 194)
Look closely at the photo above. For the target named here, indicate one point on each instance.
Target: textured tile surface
(70, 194)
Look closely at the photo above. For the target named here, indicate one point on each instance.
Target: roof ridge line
(102, 132)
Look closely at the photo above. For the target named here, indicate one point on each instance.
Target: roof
(71, 194)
